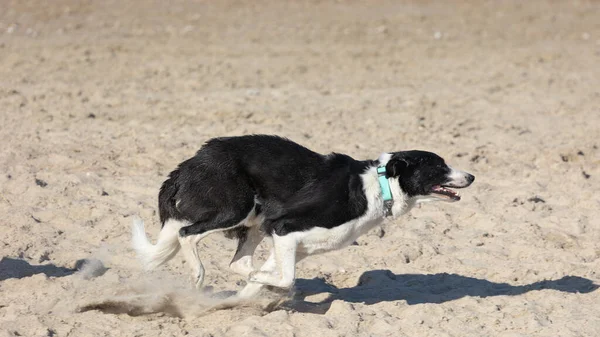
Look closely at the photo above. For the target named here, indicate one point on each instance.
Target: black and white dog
(259, 186)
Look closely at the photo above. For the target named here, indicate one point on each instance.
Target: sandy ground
(99, 100)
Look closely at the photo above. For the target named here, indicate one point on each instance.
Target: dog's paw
(256, 276)
(241, 268)
(264, 277)
(270, 279)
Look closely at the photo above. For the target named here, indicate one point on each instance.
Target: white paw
(241, 269)
(272, 279)
(250, 290)
(259, 277)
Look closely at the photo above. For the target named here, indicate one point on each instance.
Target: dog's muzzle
(456, 179)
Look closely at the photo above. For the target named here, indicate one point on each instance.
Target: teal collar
(386, 192)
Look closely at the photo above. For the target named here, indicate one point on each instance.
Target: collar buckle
(386, 192)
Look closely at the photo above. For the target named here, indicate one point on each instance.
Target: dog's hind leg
(218, 221)
(189, 236)
(189, 247)
(249, 238)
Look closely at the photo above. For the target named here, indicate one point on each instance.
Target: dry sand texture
(99, 100)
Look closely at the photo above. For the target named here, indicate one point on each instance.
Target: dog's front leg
(253, 288)
(284, 273)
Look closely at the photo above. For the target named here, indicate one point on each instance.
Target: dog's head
(425, 176)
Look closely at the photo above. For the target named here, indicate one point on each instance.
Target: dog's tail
(165, 248)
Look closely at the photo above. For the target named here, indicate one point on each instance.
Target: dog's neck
(395, 201)
(402, 203)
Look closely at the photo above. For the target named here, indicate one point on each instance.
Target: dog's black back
(294, 187)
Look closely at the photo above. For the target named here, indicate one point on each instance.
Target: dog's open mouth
(445, 193)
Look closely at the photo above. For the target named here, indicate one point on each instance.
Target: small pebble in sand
(536, 199)
(382, 29)
(44, 257)
(11, 29)
(41, 183)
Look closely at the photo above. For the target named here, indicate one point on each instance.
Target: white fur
(169, 242)
(402, 203)
(284, 273)
(289, 249)
(252, 288)
(189, 248)
(384, 158)
(458, 178)
(319, 239)
(279, 269)
(165, 248)
(242, 263)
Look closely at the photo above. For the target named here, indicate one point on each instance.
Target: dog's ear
(395, 166)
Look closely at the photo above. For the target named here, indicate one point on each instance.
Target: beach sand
(100, 100)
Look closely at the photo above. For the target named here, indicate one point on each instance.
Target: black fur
(418, 171)
(296, 188)
(293, 187)
(166, 198)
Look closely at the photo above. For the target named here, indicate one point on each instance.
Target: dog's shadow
(19, 268)
(377, 286)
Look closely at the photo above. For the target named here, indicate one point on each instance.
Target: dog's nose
(470, 178)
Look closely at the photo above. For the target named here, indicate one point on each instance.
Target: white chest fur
(319, 240)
